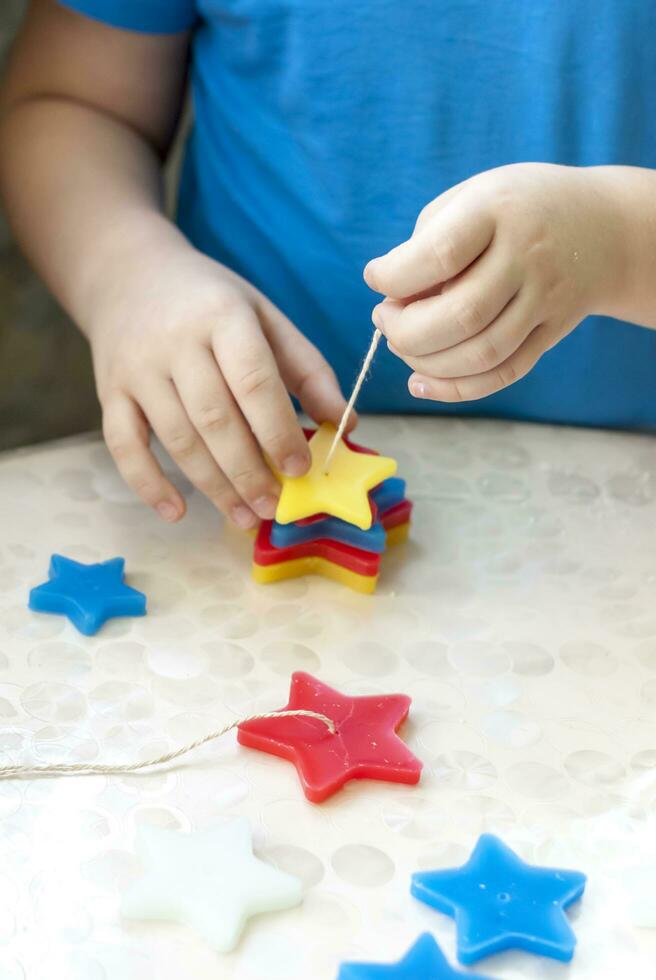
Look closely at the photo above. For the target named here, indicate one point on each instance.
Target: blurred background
(46, 383)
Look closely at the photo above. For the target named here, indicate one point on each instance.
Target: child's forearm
(633, 191)
(83, 194)
(181, 346)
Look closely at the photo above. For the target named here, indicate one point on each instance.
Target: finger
(126, 433)
(175, 431)
(440, 322)
(304, 370)
(439, 203)
(488, 349)
(250, 370)
(429, 211)
(446, 245)
(480, 385)
(216, 417)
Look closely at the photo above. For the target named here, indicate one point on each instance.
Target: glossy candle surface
(342, 492)
(88, 595)
(362, 562)
(424, 961)
(209, 880)
(365, 745)
(499, 902)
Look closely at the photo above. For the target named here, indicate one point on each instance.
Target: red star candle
(397, 515)
(362, 562)
(365, 745)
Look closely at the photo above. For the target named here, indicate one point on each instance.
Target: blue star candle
(88, 595)
(499, 902)
(425, 961)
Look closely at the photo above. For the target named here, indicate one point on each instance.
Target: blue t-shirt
(322, 127)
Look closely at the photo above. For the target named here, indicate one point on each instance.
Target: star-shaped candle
(209, 880)
(499, 902)
(337, 523)
(87, 594)
(342, 491)
(365, 744)
(332, 559)
(396, 522)
(388, 494)
(331, 528)
(424, 961)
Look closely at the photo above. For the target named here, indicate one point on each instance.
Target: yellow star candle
(343, 492)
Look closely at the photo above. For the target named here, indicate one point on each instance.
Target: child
(322, 130)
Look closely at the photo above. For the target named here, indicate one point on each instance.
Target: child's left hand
(497, 271)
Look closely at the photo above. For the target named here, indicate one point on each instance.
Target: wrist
(124, 268)
(624, 194)
(611, 246)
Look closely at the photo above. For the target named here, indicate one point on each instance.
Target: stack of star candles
(337, 520)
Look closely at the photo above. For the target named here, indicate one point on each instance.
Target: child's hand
(497, 271)
(185, 347)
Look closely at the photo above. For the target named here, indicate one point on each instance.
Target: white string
(86, 769)
(366, 364)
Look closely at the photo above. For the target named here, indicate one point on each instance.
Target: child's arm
(179, 343)
(502, 267)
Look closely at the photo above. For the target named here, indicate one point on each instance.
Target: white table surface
(521, 619)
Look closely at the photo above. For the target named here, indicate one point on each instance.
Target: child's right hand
(183, 346)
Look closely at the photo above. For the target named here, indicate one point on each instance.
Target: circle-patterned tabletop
(520, 618)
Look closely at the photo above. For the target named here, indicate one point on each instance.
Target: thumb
(303, 368)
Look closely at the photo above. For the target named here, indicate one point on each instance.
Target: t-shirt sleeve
(148, 16)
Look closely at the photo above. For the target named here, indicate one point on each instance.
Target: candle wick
(88, 769)
(364, 370)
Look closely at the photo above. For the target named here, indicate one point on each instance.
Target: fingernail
(167, 511)
(243, 517)
(419, 389)
(266, 507)
(370, 273)
(393, 349)
(296, 465)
